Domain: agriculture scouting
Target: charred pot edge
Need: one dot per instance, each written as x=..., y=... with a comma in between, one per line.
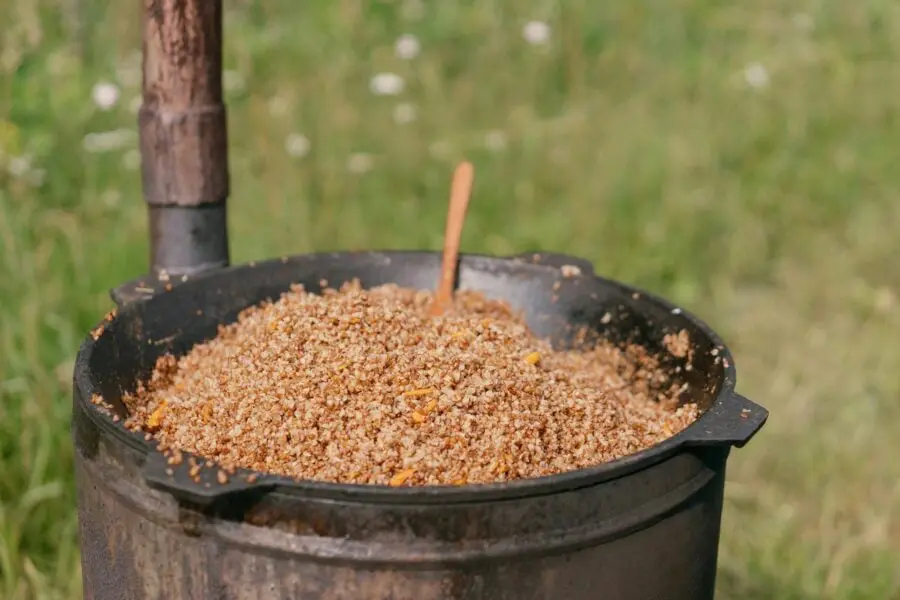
x=556, y=260
x=146, y=286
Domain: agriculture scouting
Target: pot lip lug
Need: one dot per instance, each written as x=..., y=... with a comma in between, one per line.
x=199, y=481
x=731, y=419
x=731, y=424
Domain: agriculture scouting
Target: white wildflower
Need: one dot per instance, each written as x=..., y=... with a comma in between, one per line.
x=360, y=163
x=404, y=113
x=105, y=95
x=407, y=47
x=536, y=33
x=278, y=106
x=495, y=141
x=386, y=84
x=756, y=75
x=297, y=145
x=19, y=166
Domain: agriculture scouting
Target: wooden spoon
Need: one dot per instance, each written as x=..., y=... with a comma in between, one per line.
x=460, y=190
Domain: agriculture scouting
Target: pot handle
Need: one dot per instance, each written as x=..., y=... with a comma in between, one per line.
x=731, y=423
x=201, y=485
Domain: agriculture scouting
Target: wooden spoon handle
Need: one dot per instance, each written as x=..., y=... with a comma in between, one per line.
x=460, y=191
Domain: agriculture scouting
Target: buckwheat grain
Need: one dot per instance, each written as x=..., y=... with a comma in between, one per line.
x=363, y=386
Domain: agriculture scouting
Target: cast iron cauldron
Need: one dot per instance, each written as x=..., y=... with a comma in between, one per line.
x=645, y=527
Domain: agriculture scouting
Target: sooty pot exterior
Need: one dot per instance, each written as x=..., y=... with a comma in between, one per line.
x=643, y=527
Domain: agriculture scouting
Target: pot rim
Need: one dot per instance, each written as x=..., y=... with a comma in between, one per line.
x=730, y=420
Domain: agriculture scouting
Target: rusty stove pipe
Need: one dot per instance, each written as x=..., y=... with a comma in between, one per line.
x=183, y=135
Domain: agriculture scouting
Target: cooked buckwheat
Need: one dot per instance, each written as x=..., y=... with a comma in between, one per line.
x=363, y=386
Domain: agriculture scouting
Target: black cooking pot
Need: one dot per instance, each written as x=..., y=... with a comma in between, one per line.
x=642, y=527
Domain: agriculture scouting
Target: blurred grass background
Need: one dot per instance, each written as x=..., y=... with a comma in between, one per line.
x=738, y=157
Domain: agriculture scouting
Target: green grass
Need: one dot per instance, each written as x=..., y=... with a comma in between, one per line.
x=632, y=139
